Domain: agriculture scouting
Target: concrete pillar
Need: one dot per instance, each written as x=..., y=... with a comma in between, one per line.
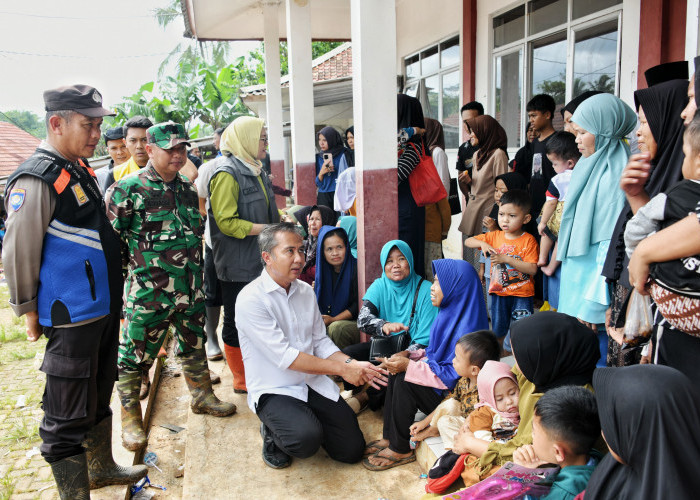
x=301, y=97
x=274, y=96
x=374, y=108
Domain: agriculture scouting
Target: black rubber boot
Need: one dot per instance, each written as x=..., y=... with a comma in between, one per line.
x=102, y=469
x=71, y=476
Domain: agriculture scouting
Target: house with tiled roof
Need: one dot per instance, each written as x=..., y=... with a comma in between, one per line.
x=16, y=145
x=332, y=82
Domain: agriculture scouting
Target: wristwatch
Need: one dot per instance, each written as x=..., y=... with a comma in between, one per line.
x=349, y=360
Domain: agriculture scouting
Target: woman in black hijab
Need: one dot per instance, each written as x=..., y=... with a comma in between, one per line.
x=568, y=111
x=329, y=168
x=551, y=349
x=660, y=107
x=350, y=146
x=411, y=216
x=303, y=215
x=648, y=416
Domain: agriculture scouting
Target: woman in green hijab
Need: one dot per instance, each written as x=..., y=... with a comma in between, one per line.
x=593, y=203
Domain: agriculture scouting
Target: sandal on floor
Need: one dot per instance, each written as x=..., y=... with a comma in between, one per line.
x=373, y=447
x=393, y=462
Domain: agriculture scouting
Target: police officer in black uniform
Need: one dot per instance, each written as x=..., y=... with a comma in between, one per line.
x=63, y=267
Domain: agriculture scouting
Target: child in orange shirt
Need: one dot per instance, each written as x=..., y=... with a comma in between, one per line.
x=517, y=253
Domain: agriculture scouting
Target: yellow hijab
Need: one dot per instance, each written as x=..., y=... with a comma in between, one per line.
x=242, y=138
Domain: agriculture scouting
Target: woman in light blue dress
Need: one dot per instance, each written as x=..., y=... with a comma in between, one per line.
x=593, y=203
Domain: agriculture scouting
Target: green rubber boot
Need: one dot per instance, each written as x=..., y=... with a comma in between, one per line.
x=102, y=469
x=196, y=371
x=71, y=476
x=128, y=387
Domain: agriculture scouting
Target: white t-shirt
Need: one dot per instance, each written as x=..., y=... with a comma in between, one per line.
x=559, y=185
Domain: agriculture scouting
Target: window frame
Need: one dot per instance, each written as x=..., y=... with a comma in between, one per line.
x=570, y=28
x=441, y=71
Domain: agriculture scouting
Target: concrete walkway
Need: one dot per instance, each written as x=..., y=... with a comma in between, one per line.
x=223, y=460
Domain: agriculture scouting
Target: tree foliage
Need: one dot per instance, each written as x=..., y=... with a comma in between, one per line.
x=203, y=87
x=27, y=121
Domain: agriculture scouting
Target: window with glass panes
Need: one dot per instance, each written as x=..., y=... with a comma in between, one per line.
x=557, y=47
x=432, y=75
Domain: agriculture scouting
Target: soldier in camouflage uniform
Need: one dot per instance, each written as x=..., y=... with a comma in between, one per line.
x=155, y=211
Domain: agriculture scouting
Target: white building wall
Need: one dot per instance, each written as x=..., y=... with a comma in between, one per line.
x=420, y=24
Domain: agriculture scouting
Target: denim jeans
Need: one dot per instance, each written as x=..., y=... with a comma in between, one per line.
x=508, y=309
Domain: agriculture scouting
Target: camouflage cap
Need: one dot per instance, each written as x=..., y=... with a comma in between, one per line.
x=167, y=135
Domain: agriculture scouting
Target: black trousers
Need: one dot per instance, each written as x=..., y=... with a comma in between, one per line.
x=80, y=364
x=326, y=199
x=229, y=294
x=400, y=405
x=212, y=285
x=300, y=428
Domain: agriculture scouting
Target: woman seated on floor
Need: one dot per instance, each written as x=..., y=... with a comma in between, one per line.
x=387, y=307
x=312, y=219
x=336, y=286
x=420, y=379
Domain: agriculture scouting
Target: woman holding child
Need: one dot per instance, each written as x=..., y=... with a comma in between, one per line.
x=550, y=350
x=593, y=199
x=660, y=139
x=420, y=378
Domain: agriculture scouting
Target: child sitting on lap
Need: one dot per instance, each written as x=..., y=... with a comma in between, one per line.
x=564, y=430
x=563, y=152
x=516, y=253
x=496, y=416
x=472, y=351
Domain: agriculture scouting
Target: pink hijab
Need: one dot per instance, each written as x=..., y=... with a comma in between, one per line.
x=490, y=374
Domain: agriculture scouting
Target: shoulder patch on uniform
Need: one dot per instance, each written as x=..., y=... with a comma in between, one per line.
x=80, y=195
x=17, y=196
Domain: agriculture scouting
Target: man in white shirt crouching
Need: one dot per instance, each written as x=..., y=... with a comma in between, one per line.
x=287, y=356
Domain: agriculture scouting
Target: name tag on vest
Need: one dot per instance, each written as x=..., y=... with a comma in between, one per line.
x=157, y=202
x=250, y=190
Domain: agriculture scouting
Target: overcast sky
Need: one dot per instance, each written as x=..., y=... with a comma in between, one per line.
x=115, y=46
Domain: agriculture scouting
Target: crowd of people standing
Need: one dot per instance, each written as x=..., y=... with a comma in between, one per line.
x=576, y=223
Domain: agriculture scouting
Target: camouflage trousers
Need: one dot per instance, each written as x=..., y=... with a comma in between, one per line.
x=145, y=330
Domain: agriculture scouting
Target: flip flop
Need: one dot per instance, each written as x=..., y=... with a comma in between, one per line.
x=393, y=462
x=373, y=445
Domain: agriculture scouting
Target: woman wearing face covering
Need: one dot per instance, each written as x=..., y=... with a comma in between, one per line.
x=241, y=204
x=660, y=139
x=648, y=417
x=330, y=163
x=411, y=216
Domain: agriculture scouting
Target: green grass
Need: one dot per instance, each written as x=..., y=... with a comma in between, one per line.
x=7, y=487
x=4, y=297
x=24, y=429
x=12, y=332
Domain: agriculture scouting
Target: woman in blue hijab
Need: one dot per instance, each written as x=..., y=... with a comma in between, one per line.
x=593, y=202
x=421, y=379
x=386, y=307
x=336, y=286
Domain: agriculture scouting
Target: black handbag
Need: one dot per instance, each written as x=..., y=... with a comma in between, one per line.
x=385, y=347
x=454, y=198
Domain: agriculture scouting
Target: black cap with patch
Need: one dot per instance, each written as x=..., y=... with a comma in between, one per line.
x=82, y=99
x=114, y=134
